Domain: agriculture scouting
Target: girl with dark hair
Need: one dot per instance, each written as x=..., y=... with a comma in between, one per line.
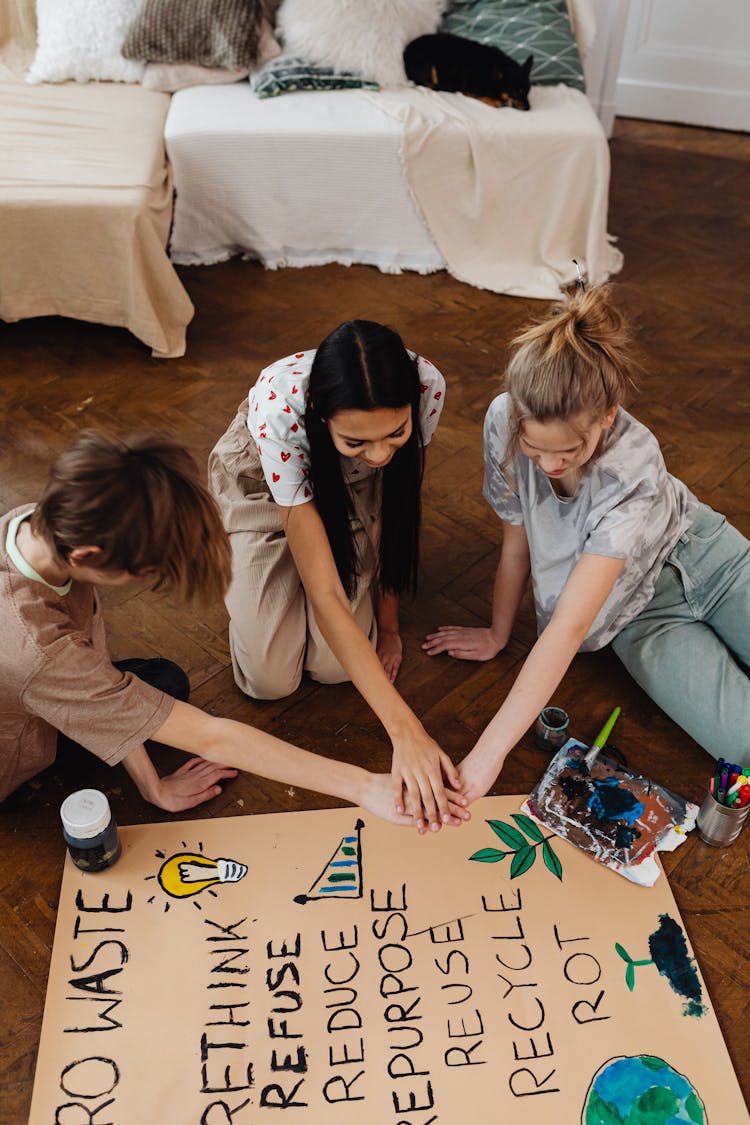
x=619, y=550
x=318, y=479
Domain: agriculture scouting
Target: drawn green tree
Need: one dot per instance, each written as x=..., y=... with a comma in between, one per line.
x=517, y=845
x=669, y=953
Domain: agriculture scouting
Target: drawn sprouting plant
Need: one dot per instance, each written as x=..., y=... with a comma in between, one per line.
x=630, y=965
x=523, y=852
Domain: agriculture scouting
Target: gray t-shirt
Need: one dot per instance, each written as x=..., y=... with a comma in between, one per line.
x=627, y=506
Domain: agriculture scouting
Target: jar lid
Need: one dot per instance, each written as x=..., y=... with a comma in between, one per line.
x=85, y=814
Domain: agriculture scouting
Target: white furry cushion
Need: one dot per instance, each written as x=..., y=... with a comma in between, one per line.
x=81, y=39
x=366, y=37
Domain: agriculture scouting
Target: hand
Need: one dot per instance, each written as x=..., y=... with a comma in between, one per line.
x=463, y=643
x=418, y=774
x=377, y=798
x=478, y=772
x=390, y=651
x=190, y=785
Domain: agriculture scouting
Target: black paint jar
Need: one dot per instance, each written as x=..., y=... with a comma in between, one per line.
x=90, y=830
x=551, y=731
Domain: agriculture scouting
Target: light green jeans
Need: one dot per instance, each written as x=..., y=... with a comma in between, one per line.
x=689, y=649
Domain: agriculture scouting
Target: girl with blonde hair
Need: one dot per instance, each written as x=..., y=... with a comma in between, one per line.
x=619, y=550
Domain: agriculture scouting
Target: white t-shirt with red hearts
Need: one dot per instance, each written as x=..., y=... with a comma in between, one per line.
x=276, y=420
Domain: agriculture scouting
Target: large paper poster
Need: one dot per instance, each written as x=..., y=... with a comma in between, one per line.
x=326, y=967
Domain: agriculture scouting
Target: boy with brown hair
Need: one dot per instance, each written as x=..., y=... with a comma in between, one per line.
x=112, y=512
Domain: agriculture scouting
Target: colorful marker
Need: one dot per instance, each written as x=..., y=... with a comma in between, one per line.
x=730, y=785
x=737, y=784
x=723, y=784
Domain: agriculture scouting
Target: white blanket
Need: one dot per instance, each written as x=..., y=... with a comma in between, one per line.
x=303, y=179
x=510, y=197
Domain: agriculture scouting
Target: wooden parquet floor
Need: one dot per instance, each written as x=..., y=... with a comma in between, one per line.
x=679, y=210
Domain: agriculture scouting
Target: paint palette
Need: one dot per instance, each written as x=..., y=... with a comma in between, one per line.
x=619, y=817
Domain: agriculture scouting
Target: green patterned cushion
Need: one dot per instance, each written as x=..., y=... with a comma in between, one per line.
x=283, y=75
x=521, y=28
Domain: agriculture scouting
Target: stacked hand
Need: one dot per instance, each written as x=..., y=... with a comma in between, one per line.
x=425, y=783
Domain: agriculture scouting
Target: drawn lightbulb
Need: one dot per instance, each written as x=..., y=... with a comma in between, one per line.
x=187, y=874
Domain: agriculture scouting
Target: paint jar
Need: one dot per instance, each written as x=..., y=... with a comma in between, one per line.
x=719, y=825
x=90, y=830
x=551, y=731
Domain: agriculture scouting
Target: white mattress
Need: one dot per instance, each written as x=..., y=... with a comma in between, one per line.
x=300, y=179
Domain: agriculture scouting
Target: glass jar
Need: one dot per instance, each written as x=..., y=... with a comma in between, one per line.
x=551, y=730
x=90, y=830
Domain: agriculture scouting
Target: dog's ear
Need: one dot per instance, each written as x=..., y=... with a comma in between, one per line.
x=528, y=64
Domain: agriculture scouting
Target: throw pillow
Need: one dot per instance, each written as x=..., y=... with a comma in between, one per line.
x=82, y=39
x=521, y=28
x=349, y=35
x=285, y=75
x=214, y=33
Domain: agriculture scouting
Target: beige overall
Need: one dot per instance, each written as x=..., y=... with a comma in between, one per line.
x=273, y=635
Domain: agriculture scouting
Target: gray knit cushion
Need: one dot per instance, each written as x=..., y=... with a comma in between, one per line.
x=216, y=33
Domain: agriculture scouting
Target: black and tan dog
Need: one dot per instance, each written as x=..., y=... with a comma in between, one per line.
x=449, y=62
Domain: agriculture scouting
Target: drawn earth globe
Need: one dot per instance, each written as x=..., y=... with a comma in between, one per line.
x=641, y=1090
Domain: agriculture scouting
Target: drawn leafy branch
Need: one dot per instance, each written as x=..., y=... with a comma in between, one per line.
x=523, y=852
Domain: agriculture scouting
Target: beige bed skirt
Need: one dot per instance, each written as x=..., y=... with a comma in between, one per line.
x=85, y=210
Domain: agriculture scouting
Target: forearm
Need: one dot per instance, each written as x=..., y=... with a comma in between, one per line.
x=360, y=661
x=143, y=774
x=255, y=751
x=316, y=567
x=583, y=596
x=534, y=686
x=387, y=612
x=510, y=581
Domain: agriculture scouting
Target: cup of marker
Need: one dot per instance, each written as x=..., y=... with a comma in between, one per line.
x=726, y=806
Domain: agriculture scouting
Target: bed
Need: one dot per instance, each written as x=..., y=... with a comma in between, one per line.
x=400, y=179
x=85, y=200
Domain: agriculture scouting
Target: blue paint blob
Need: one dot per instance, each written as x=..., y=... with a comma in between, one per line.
x=612, y=801
x=642, y=1090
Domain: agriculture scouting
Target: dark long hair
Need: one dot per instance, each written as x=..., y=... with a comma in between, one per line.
x=365, y=366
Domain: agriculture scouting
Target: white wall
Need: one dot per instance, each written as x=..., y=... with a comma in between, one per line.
x=687, y=61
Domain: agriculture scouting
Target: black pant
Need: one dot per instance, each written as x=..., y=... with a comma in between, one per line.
x=162, y=674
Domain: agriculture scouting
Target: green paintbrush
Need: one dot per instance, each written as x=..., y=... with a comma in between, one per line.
x=601, y=739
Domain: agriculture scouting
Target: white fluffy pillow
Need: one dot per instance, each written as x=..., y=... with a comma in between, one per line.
x=367, y=38
x=81, y=39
